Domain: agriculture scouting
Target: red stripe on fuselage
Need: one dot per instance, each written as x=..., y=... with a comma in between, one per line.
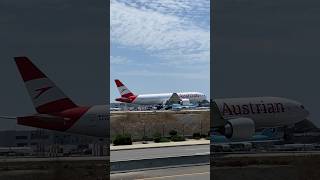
x=56, y=106
x=64, y=120
x=27, y=69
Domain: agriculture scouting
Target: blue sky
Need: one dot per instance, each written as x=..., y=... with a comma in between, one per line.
x=160, y=46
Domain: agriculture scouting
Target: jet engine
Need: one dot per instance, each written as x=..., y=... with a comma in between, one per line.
x=185, y=102
x=239, y=128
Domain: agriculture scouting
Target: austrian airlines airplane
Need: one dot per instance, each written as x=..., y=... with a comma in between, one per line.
x=238, y=118
x=156, y=99
x=55, y=110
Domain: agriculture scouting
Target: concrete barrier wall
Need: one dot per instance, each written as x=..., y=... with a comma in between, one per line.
x=147, y=123
x=119, y=166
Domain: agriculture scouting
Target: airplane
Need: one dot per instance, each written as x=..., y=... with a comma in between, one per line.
x=56, y=111
x=238, y=118
x=160, y=100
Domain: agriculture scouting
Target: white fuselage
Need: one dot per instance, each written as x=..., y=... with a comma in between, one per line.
x=153, y=99
x=93, y=123
x=264, y=111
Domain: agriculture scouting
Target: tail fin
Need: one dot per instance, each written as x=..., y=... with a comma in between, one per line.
x=46, y=96
x=218, y=119
x=123, y=90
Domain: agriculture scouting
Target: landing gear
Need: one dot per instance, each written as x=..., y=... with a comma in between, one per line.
x=288, y=134
x=159, y=106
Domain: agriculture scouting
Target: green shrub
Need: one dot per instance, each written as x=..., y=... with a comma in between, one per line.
x=164, y=139
x=173, y=133
x=145, y=138
x=177, y=138
x=204, y=136
x=157, y=137
x=124, y=139
x=196, y=136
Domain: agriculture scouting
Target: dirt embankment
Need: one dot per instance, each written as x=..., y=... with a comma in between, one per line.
x=147, y=123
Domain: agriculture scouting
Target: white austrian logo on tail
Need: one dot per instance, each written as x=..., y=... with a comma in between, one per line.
x=41, y=91
x=122, y=91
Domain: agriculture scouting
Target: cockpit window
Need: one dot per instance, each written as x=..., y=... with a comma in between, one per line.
x=302, y=106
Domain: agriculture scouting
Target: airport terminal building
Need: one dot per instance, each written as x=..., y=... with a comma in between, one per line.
x=40, y=142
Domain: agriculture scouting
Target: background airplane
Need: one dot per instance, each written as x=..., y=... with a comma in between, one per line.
x=56, y=111
x=183, y=98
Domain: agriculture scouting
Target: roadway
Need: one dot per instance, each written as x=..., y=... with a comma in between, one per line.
x=201, y=172
x=151, y=153
x=6, y=159
x=273, y=154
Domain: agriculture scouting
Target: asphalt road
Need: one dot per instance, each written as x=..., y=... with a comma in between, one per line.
x=47, y=159
x=151, y=153
x=221, y=155
x=177, y=173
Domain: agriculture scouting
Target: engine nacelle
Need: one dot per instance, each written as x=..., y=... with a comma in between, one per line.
x=185, y=102
x=239, y=128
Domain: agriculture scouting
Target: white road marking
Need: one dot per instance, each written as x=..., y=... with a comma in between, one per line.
x=172, y=176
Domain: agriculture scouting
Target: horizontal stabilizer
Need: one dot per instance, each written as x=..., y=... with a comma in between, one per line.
x=45, y=121
x=7, y=117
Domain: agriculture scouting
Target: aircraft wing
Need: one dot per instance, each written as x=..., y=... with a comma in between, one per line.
x=174, y=99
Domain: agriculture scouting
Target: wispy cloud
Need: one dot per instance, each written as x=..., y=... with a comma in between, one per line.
x=119, y=60
x=179, y=75
x=163, y=28
x=186, y=9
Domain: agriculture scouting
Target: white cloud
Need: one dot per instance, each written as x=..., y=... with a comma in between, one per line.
x=180, y=75
x=119, y=60
x=160, y=28
x=186, y=8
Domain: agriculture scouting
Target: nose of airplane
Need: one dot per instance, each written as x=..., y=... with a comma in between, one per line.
x=300, y=108
x=305, y=112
